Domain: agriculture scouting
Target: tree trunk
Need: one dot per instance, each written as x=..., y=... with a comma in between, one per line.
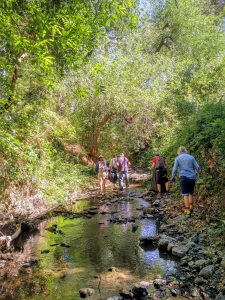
x=94, y=145
x=14, y=80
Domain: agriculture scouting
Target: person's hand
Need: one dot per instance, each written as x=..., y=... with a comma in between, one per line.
x=173, y=180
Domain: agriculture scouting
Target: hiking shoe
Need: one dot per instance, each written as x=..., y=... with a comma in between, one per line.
x=187, y=214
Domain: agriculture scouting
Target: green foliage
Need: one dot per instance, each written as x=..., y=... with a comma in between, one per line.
x=86, y=72
x=203, y=134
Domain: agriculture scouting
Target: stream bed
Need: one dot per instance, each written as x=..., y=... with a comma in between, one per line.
x=102, y=255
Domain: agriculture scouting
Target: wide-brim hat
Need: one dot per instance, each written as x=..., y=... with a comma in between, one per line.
x=100, y=156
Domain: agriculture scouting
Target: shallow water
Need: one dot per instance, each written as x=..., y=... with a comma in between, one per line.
x=96, y=244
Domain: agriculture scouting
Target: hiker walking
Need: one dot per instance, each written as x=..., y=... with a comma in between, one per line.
x=101, y=170
x=122, y=165
x=186, y=166
x=113, y=170
x=160, y=165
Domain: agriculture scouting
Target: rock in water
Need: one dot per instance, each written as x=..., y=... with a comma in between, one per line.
x=134, y=227
x=86, y=292
x=158, y=283
x=30, y=263
x=139, y=292
x=52, y=228
x=65, y=245
x=45, y=251
x=125, y=294
x=113, y=269
x=60, y=232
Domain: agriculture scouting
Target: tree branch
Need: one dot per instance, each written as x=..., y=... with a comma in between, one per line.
x=14, y=79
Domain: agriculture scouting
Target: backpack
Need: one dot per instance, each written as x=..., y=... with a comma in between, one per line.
x=113, y=163
x=160, y=163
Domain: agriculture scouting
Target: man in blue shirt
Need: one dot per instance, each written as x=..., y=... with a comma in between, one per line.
x=187, y=166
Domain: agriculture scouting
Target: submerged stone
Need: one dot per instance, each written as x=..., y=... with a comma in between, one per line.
x=139, y=292
x=86, y=292
x=45, y=251
x=65, y=245
x=134, y=227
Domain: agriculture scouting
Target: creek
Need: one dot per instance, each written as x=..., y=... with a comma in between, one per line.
x=96, y=244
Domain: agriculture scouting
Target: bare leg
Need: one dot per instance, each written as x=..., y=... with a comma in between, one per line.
x=191, y=202
x=159, y=188
x=190, y=199
x=186, y=201
x=101, y=184
x=187, y=206
x=167, y=186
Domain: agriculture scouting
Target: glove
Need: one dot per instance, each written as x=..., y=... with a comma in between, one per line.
x=173, y=180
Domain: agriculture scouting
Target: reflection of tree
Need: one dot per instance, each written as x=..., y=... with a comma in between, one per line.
x=119, y=249
x=92, y=251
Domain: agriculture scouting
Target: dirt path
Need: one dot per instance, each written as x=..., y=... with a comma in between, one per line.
x=136, y=176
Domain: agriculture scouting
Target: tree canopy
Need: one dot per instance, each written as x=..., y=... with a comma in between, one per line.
x=112, y=76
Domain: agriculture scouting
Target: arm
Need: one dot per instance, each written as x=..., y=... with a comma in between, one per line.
x=166, y=164
x=196, y=166
x=96, y=168
x=105, y=167
x=175, y=167
x=111, y=164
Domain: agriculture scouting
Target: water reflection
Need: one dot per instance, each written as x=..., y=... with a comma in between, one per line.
x=96, y=244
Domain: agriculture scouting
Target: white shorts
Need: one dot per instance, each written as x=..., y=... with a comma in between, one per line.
x=102, y=175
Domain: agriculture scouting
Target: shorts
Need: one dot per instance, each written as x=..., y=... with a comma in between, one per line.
x=161, y=176
x=102, y=175
x=187, y=186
